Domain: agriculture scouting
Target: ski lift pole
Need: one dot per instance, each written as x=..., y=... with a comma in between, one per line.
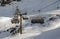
x=20, y=23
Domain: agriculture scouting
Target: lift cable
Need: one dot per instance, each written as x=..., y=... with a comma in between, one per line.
x=50, y=4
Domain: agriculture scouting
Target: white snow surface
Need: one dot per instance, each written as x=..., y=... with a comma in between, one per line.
x=31, y=7
x=48, y=30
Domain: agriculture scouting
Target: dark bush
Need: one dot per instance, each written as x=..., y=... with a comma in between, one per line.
x=18, y=0
x=52, y=19
x=2, y=4
x=41, y=21
x=7, y=30
x=58, y=15
x=39, y=10
x=14, y=31
x=14, y=0
x=57, y=7
x=25, y=18
x=17, y=26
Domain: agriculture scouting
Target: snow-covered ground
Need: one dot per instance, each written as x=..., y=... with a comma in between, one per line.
x=48, y=30
x=30, y=6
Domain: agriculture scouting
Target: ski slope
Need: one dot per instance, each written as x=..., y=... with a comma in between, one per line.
x=48, y=9
x=48, y=30
x=30, y=6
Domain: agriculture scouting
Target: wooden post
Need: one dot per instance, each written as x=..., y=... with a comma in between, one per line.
x=20, y=24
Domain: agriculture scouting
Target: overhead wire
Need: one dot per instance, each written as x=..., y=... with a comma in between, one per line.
x=50, y=4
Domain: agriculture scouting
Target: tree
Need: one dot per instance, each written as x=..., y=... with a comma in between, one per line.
x=3, y=3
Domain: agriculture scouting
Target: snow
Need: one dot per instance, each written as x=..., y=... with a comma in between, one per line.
x=34, y=31
x=48, y=30
x=30, y=6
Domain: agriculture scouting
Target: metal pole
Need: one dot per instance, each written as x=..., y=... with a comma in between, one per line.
x=20, y=24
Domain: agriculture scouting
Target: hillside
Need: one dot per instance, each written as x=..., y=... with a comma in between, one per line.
x=48, y=10
x=30, y=6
